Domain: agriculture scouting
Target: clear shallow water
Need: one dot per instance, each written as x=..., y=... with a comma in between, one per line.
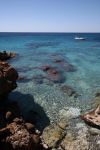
x=38, y=49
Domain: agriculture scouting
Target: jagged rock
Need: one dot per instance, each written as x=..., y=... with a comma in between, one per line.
x=76, y=142
x=20, y=136
x=92, y=117
x=15, y=133
x=6, y=55
x=8, y=77
x=53, y=134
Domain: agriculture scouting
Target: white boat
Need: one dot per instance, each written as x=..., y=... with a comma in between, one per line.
x=79, y=38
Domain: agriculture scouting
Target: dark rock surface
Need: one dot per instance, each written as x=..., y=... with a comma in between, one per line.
x=53, y=74
x=15, y=133
x=8, y=77
x=6, y=55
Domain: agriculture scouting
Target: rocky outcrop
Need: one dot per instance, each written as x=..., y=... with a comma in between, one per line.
x=6, y=55
x=92, y=117
x=15, y=133
x=8, y=77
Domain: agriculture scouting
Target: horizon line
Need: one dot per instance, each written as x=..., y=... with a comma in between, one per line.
x=42, y=32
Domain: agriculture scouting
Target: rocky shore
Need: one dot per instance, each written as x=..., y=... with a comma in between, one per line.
x=73, y=129
x=15, y=132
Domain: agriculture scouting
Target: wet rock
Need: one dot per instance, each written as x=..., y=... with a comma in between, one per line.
x=93, y=117
x=6, y=55
x=69, y=91
x=8, y=77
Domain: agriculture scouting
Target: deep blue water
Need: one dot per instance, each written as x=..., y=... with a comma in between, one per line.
x=37, y=49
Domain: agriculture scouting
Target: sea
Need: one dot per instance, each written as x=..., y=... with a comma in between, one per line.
x=37, y=93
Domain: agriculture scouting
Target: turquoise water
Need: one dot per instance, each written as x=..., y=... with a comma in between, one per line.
x=37, y=49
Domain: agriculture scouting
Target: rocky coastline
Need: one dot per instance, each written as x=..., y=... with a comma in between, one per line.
x=72, y=131
x=15, y=132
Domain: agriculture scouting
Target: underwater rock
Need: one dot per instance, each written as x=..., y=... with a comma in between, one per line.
x=59, y=61
x=93, y=117
x=69, y=90
x=6, y=55
x=53, y=74
x=8, y=77
x=65, y=65
x=23, y=79
x=45, y=67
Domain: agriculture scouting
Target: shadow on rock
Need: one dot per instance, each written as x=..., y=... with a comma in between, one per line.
x=31, y=111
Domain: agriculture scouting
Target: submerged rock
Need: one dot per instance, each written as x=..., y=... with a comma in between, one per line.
x=65, y=65
x=6, y=55
x=8, y=77
x=53, y=74
x=69, y=90
x=92, y=117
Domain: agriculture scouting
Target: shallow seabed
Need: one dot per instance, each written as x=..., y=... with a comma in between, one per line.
x=38, y=49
